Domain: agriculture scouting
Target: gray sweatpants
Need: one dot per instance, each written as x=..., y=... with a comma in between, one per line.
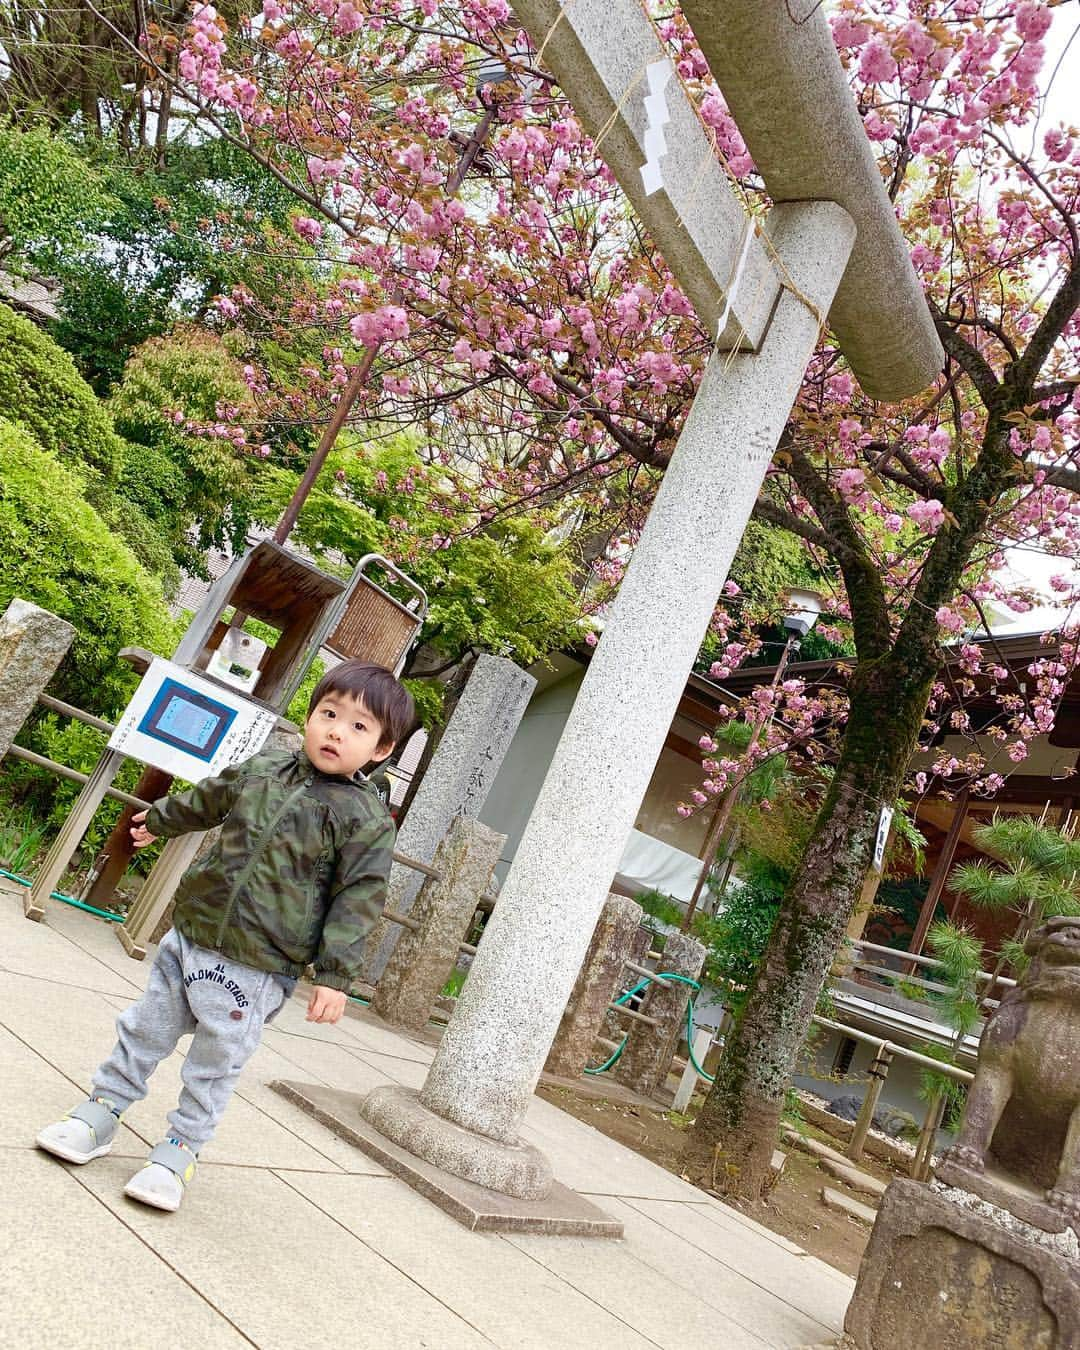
x=191, y=990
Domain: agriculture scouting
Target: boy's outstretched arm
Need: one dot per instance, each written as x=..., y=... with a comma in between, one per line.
x=199, y=808
x=358, y=896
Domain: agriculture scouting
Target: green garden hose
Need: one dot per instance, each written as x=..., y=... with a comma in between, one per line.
x=623, y=998
x=679, y=979
x=66, y=899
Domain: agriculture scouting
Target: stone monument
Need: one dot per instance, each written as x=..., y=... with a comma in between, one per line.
x=33, y=642
x=456, y=783
x=989, y=1254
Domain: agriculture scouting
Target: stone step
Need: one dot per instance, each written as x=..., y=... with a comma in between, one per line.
x=811, y=1145
x=851, y=1176
x=855, y=1209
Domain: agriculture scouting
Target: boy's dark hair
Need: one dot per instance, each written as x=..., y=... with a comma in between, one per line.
x=387, y=699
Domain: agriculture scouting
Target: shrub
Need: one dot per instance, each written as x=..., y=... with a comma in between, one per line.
x=56, y=551
x=51, y=196
x=660, y=907
x=180, y=480
x=736, y=939
x=41, y=388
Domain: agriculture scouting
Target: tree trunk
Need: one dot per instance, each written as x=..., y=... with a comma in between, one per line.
x=742, y=1112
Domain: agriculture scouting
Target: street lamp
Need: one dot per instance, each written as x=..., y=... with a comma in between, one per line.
x=803, y=608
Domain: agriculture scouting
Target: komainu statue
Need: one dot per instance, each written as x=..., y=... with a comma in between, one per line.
x=1023, y=1109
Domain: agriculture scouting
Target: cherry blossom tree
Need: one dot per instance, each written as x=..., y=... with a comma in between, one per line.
x=916, y=505
x=534, y=330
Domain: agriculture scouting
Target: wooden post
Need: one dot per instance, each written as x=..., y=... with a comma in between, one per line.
x=938, y=880
x=727, y=804
x=119, y=848
x=358, y=379
x=879, y=1071
x=157, y=891
x=71, y=834
x=845, y=953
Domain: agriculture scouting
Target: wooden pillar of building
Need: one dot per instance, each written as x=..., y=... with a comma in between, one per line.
x=941, y=875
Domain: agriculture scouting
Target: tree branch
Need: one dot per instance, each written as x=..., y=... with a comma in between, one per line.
x=1051, y=326
x=862, y=580
x=1058, y=389
x=988, y=326
x=773, y=514
x=1069, y=479
x=967, y=357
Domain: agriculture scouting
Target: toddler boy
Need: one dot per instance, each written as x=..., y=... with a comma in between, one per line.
x=297, y=878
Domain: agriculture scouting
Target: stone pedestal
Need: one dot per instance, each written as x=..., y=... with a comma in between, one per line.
x=423, y=958
x=456, y=783
x=510, y=1167
x=597, y=984
x=947, y=1269
x=33, y=642
x=646, y=1058
x=614, y=1025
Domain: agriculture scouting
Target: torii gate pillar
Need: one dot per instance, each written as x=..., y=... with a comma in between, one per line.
x=494, y=1048
x=832, y=248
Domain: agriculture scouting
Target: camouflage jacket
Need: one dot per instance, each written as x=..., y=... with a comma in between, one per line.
x=298, y=874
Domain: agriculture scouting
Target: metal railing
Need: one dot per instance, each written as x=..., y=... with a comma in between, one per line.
x=484, y=901
x=895, y=977
x=885, y=1052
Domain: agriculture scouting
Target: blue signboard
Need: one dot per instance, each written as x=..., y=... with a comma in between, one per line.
x=182, y=717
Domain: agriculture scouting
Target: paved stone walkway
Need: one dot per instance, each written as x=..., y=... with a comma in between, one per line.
x=290, y=1238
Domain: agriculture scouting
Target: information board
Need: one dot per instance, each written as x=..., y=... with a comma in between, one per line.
x=188, y=726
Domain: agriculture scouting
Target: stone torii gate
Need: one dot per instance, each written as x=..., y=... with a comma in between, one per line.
x=829, y=247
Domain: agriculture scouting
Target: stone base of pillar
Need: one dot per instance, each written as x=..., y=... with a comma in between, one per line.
x=516, y=1169
x=559, y=1213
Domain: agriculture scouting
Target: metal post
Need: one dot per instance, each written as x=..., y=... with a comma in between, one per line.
x=690, y=1078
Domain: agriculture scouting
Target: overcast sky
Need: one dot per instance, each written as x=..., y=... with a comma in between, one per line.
x=1062, y=105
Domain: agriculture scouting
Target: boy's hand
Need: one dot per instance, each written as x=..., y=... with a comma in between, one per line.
x=326, y=1005
x=140, y=835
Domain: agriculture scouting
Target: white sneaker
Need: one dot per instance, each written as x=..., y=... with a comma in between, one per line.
x=161, y=1181
x=87, y=1133
x=156, y=1186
